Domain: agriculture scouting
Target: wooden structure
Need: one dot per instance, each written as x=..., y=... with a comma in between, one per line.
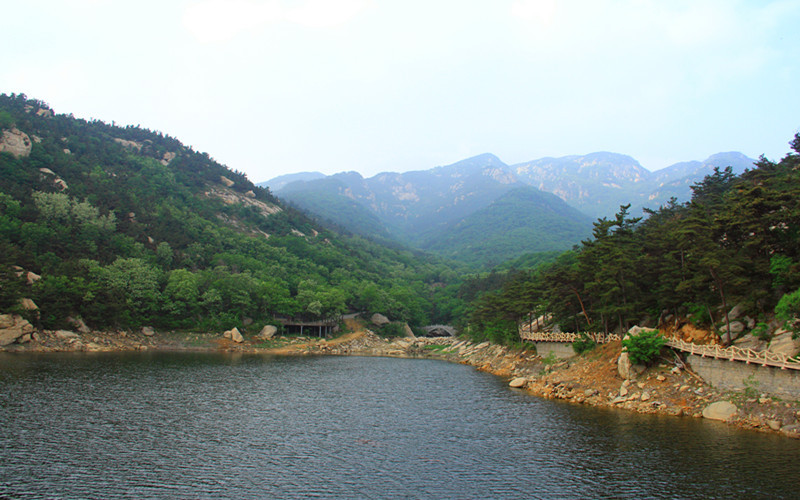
x=320, y=327
x=732, y=353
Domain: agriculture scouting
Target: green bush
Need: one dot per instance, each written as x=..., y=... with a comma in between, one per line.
x=645, y=347
x=583, y=344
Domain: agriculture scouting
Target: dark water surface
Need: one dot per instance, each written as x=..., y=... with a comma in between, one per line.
x=200, y=425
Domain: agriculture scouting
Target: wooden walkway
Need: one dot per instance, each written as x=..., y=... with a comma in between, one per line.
x=732, y=353
x=565, y=337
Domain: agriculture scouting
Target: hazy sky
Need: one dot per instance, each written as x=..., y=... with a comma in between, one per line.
x=270, y=87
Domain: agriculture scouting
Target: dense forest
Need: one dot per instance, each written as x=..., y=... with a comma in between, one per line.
x=123, y=227
x=736, y=243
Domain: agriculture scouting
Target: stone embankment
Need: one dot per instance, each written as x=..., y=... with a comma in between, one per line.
x=668, y=388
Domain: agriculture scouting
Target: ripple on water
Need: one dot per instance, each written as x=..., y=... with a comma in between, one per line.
x=202, y=425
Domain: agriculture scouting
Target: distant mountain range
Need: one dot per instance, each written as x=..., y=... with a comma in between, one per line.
x=483, y=211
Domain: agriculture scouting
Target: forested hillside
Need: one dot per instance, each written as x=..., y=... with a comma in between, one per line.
x=125, y=227
x=736, y=243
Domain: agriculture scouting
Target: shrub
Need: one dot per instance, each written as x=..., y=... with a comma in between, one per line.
x=645, y=347
x=583, y=344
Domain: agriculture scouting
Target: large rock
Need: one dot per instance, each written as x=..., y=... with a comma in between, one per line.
x=13, y=327
x=235, y=335
x=268, y=332
x=750, y=342
x=783, y=343
x=148, y=331
x=408, y=331
x=518, y=382
x=721, y=410
x=16, y=142
x=379, y=319
x=78, y=324
x=626, y=369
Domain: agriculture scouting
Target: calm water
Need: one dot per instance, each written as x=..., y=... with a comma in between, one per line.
x=198, y=425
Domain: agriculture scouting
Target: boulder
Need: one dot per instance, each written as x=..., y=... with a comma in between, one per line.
x=16, y=142
x=226, y=181
x=250, y=194
x=721, y=410
x=736, y=312
x=626, y=369
x=750, y=342
x=235, y=335
x=784, y=343
x=28, y=305
x=518, y=382
x=65, y=334
x=268, y=332
x=13, y=327
x=148, y=331
x=409, y=333
x=78, y=324
x=379, y=319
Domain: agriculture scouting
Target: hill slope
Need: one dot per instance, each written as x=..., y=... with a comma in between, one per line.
x=523, y=220
x=125, y=227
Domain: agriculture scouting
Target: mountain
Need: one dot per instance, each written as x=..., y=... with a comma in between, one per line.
x=125, y=227
x=523, y=220
x=596, y=184
x=281, y=181
x=411, y=206
x=465, y=210
x=444, y=209
x=677, y=180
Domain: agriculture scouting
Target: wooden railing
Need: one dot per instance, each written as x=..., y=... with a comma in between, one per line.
x=734, y=353
x=564, y=337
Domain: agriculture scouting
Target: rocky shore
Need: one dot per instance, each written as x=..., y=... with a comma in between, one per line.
x=668, y=387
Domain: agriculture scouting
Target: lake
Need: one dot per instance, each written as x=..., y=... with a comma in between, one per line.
x=211, y=425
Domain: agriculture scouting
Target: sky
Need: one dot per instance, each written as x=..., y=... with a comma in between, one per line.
x=271, y=87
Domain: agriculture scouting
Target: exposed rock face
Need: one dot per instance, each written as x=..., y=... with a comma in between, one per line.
x=267, y=332
x=16, y=142
x=129, y=144
x=379, y=319
x=168, y=157
x=626, y=369
x=226, y=181
x=28, y=304
x=12, y=328
x=783, y=343
x=409, y=333
x=721, y=410
x=231, y=197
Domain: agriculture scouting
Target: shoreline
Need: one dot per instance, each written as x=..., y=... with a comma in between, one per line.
x=590, y=379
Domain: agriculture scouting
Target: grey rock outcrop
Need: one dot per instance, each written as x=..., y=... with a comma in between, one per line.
x=379, y=319
x=784, y=343
x=16, y=142
x=13, y=327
